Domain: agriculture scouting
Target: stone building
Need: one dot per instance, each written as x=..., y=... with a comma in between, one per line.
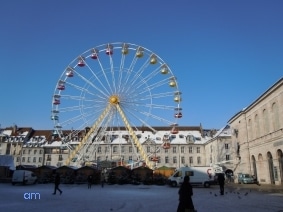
x=221, y=150
x=258, y=134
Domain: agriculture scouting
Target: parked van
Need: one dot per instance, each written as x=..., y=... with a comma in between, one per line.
x=199, y=175
x=24, y=177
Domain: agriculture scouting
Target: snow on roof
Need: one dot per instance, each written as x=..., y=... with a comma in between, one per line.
x=223, y=132
x=7, y=132
x=54, y=144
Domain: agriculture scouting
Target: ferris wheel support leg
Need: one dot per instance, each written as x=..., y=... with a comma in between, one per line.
x=135, y=139
x=92, y=129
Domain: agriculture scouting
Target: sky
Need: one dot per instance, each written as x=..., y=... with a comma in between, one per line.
x=225, y=54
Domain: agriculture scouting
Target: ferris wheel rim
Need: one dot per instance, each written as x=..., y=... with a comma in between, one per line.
x=112, y=91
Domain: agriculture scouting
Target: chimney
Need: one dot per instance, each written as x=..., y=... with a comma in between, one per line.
x=15, y=128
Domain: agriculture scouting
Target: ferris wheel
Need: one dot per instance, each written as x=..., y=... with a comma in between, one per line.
x=112, y=87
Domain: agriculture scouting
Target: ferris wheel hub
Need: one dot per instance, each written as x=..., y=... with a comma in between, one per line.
x=114, y=99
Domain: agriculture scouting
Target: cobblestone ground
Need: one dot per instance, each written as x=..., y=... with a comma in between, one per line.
x=131, y=198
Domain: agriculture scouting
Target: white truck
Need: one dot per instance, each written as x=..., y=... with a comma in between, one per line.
x=199, y=175
x=24, y=177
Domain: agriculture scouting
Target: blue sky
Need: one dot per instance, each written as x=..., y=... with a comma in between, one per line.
x=224, y=53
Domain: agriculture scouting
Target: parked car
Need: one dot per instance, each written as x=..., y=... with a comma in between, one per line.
x=245, y=178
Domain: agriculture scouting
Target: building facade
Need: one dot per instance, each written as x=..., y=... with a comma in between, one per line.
x=258, y=133
x=41, y=147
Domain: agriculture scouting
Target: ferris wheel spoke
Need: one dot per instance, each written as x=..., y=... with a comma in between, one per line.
x=80, y=88
x=151, y=116
x=137, y=75
x=91, y=84
x=97, y=78
x=121, y=73
x=129, y=72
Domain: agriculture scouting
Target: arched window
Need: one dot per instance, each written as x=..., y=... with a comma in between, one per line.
x=250, y=129
x=275, y=116
x=265, y=121
x=257, y=131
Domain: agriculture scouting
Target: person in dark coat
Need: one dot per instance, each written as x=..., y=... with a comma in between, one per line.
x=185, y=196
x=89, y=181
x=221, y=181
x=57, y=183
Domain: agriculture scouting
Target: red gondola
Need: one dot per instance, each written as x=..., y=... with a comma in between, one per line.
x=69, y=73
x=166, y=145
x=174, y=130
x=109, y=49
x=81, y=62
x=154, y=159
x=178, y=115
x=56, y=101
x=94, y=56
x=61, y=87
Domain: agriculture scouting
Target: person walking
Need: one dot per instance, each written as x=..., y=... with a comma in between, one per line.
x=185, y=196
x=221, y=181
x=102, y=179
x=89, y=181
x=57, y=183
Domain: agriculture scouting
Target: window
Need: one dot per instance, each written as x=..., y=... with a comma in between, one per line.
x=34, y=152
x=130, y=158
x=29, y=151
x=23, y=159
x=182, y=149
x=122, y=149
x=266, y=121
x=48, y=157
x=190, y=149
x=24, y=151
x=198, y=149
x=18, y=159
x=166, y=159
x=60, y=157
x=256, y=126
x=130, y=149
x=226, y=146
x=227, y=157
x=40, y=159
x=275, y=116
x=41, y=151
x=175, y=159
x=28, y=159
x=174, y=149
x=191, y=160
x=183, y=160
x=166, y=150
x=99, y=149
x=114, y=149
x=148, y=149
x=34, y=159
x=198, y=160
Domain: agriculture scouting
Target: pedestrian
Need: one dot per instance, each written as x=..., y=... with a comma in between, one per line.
x=221, y=181
x=89, y=181
x=57, y=183
x=102, y=179
x=185, y=196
